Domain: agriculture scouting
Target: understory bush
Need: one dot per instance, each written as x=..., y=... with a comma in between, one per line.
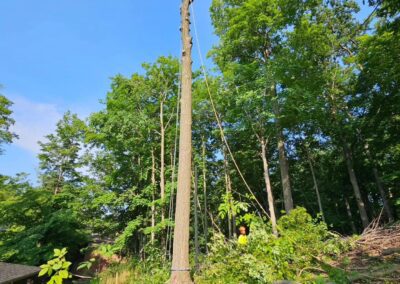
x=295, y=255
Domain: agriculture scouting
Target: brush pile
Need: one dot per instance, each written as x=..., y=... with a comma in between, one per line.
x=380, y=242
x=376, y=256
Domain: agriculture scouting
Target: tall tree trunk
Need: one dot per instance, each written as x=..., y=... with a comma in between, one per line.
x=205, y=193
x=382, y=192
x=354, y=183
x=162, y=160
x=283, y=163
x=379, y=184
x=309, y=158
x=180, y=271
x=268, y=187
x=153, y=184
x=162, y=170
x=196, y=222
x=350, y=215
x=171, y=208
x=228, y=191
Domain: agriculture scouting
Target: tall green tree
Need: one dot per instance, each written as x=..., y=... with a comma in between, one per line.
x=251, y=34
x=60, y=156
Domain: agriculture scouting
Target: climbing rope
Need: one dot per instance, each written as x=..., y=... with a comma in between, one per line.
x=171, y=202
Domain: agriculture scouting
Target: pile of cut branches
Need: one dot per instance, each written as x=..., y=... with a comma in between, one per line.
x=381, y=242
x=376, y=256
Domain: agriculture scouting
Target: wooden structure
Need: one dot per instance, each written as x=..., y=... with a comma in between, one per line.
x=17, y=273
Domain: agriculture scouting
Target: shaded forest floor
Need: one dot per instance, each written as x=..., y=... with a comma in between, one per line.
x=375, y=258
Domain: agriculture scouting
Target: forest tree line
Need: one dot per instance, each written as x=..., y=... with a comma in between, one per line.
x=307, y=95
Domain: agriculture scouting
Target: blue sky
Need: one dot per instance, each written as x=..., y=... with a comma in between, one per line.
x=59, y=55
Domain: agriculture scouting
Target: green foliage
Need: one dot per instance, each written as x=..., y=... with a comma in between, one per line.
x=105, y=250
x=6, y=121
x=267, y=258
x=231, y=206
x=59, y=156
x=307, y=72
x=122, y=240
x=57, y=268
x=86, y=264
x=34, y=224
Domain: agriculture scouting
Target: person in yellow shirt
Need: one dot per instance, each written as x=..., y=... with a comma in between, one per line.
x=242, y=240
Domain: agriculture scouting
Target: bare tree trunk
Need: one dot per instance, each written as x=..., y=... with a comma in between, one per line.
x=172, y=204
x=180, y=271
x=283, y=163
x=205, y=193
x=309, y=158
x=382, y=192
x=268, y=187
x=228, y=191
x=162, y=169
x=162, y=161
x=380, y=186
x=350, y=215
x=170, y=208
x=153, y=184
x=354, y=183
x=57, y=188
x=196, y=222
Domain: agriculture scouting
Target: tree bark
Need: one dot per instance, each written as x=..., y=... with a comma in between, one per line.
x=268, y=187
x=180, y=271
x=379, y=184
x=382, y=192
x=162, y=159
x=153, y=184
x=228, y=191
x=205, y=193
x=354, y=183
x=350, y=215
x=196, y=222
x=309, y=158
x=283, y=163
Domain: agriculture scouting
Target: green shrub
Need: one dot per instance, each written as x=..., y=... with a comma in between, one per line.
x=57, y=268
x=294, y=255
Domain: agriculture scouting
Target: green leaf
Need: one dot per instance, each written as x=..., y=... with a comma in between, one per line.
x=57, y=279
x=57, y=252
x=63, y=252
x=43, y=271
x=66, y=264
x=82, y=266
x=63, y=274
x=57, y=266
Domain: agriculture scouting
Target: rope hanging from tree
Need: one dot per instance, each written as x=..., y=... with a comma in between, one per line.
x=221, y=129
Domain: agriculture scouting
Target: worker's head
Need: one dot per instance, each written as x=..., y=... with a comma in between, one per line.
x=242, y=230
